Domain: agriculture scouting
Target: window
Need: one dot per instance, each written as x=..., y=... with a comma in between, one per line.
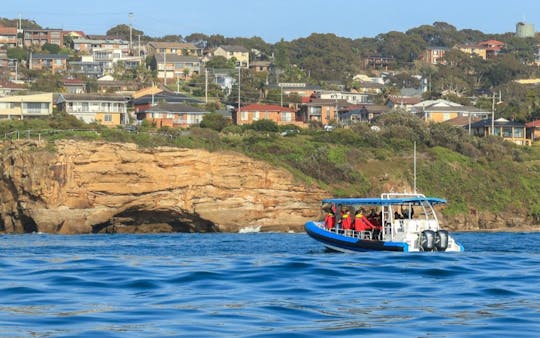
x=35, y=107
x=244, y=116
x=107, y=118
x=518, y=132
x=507, y=132
x=256, y=116
x=286, y=117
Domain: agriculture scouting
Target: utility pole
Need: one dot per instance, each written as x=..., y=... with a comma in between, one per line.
x=239, y=73
x=493, y=115
x=139, y=47
x=165, y=68
x=130, y=15
x=206, y=85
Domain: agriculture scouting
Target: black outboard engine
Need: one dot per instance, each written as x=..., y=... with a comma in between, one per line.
x=441, y=240
x=427, y=240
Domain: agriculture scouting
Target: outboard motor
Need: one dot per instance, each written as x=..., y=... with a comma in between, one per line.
x=441, y=240
x=427, y=240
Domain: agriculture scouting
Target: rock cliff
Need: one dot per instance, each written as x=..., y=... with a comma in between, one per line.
x=85, y=187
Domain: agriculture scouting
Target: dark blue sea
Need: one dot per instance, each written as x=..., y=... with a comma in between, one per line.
x=264, y=285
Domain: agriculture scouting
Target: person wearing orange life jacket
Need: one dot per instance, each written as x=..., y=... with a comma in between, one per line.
x=361, y=222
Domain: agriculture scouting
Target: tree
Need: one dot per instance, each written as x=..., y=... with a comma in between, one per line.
x=214, y=121
x=51, y=48
x=220, y=62
x=17, y=53
x=122, y=32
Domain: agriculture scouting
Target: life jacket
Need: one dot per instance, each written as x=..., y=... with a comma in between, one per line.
x=361, y=223
x=329, y=220
x=346, y=221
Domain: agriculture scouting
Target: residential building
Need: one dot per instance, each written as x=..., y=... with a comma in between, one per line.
x=368, y=87
x=533, y=130
x=107, y=58
x=87, y=67
x=442, y=110
x=8, y=37
x=254, y=112
x=172, y=66
x=361, y=113
x=240, y=53
x=261, y=66
x=87, y=45
x=74, y=86
x=509, y=130
x=324, y=111
x=404, y=102
x=177, y=48
x=493, y=47
x=39, y=37
x=352, y=98
x=20, y=107
x=172, y=115
x=378, y=62
x=10, y=88
x=143, y=102
x=473, y=49
x=434, y=55
x=108, y=110
x=48, y=62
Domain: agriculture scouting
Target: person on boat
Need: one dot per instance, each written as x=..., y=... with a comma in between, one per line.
x=329, y=219
x=346, y=222
x=397, y=215
x=407, y=213
x=361, y=222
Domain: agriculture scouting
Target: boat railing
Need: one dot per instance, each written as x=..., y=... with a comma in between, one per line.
x=353, y=233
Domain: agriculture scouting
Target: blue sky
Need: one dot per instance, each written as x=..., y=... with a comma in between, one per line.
x=274, y=19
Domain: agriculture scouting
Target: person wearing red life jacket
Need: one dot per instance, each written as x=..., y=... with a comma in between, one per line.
x=329, y=219
x=346, y=221
x=361, y=222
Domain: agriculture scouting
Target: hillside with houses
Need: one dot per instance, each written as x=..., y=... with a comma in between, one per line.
x=487, y=84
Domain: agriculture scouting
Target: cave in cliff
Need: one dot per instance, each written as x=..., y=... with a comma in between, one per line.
x=152, y=221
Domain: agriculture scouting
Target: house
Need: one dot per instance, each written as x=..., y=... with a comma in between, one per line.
x=8, y=37
x=9, y=88
x=533, y=130
x=172, y=66
x=368, y=87
x=473, y=49
x=87, y=45
x=20, y=107
x=261, y=66
x=352, y=98
x=177, y=48
x=254, y=112
x=39, y=37
x=378, y=62
x=509, y=130
x=442, y=110
x=324, y=111
x=108, y=110
x=361, y=113
x=107, y=58
x=54, y=63
x=172, y=115
x=434, y=55
x=493, y=47
x=87, y=67
x=74, y=86
x=107, y=84
x=144, y=102
x=240, y=53
x=405, y=102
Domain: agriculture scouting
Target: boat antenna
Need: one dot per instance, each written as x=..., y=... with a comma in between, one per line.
x=414, y=167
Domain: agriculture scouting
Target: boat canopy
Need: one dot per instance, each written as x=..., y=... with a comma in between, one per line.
x=385, y=201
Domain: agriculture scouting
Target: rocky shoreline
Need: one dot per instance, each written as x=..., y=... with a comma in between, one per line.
x=100, y=187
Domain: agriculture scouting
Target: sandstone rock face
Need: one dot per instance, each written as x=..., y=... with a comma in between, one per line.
x=85, y=187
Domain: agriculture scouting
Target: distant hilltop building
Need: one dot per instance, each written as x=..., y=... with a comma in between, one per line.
x=524, y=30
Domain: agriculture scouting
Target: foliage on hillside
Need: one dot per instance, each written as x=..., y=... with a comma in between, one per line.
x=471, y=172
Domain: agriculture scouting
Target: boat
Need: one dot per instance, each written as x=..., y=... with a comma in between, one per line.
x=404, y=222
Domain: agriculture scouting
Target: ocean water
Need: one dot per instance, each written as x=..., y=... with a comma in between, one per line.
x=264, y=285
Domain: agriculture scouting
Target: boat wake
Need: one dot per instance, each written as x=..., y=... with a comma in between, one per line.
x=252, y=228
